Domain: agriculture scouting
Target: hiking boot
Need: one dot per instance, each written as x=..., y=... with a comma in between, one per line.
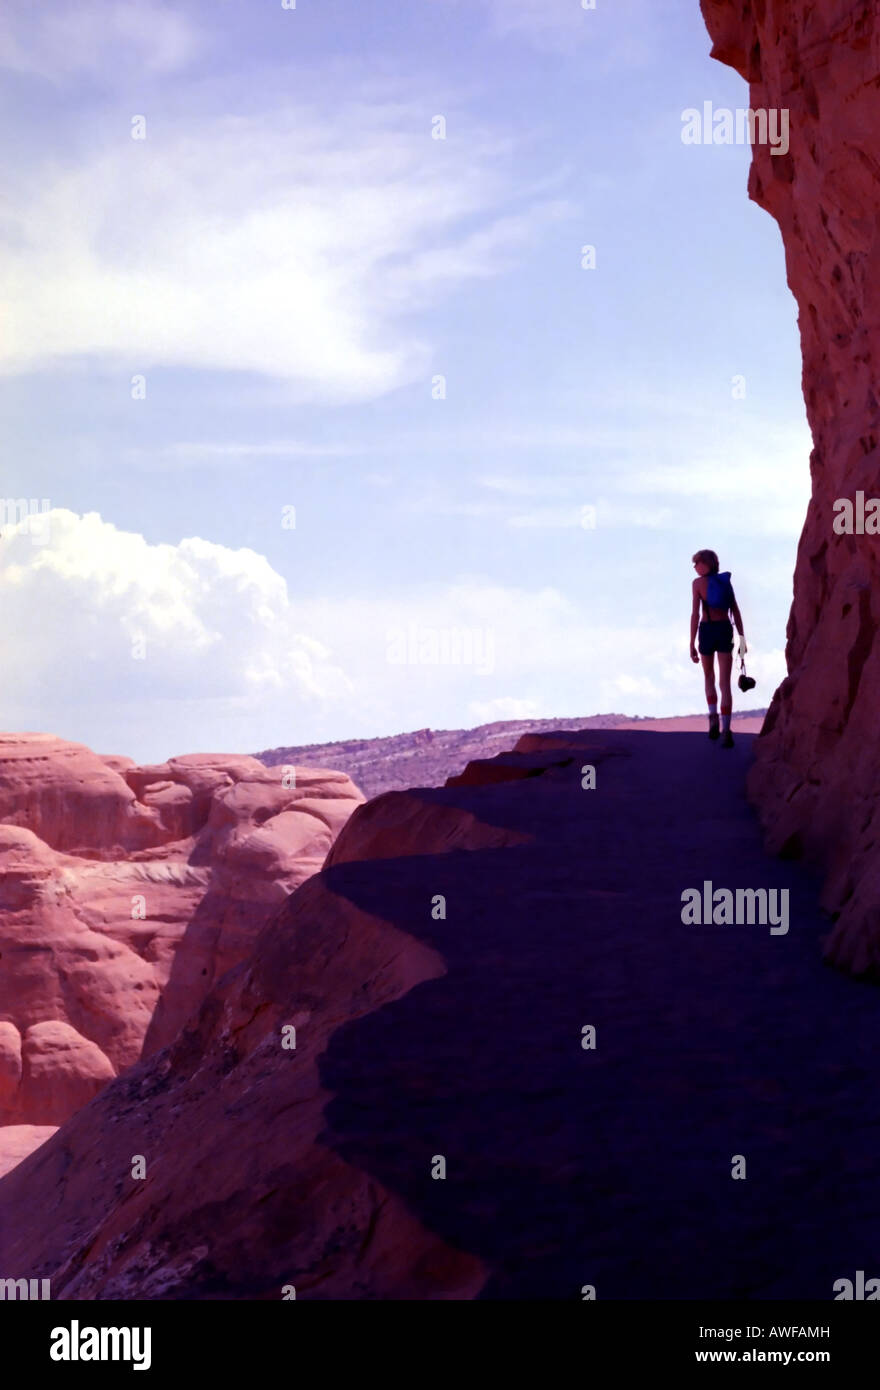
x=714, y=730
x=727, y=741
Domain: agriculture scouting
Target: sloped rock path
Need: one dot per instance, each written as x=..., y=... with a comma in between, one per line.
x=612, y=1167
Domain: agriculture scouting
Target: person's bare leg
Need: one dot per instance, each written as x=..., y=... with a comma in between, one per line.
x=725, y=667
x=708, y=663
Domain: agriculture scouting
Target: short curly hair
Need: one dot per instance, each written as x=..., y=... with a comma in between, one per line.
x=707, y=557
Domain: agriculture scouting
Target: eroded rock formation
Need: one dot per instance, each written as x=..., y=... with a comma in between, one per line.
x=241, y=1198
x=817, y=774
x=125, y=892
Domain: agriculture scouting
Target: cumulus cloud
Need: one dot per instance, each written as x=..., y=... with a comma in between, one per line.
x=93, y=613
x=297, y=243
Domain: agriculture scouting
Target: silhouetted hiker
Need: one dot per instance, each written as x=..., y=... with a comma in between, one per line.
x=715, y=592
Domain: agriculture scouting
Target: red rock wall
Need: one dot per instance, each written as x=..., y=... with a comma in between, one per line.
x=817, y=776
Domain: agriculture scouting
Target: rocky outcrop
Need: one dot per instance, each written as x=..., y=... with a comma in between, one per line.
x=416, y=822
x=237, y=1099
x=817, y=774
x=125, y=893
x=474, y=1070
x=71, y=799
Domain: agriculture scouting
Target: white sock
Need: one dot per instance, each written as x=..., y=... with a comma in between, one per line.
x=725, y=723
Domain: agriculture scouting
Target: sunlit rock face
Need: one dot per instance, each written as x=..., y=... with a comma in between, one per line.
x=125, y=892
x=817, y=776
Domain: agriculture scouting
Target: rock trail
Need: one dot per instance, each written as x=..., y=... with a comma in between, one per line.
x=613, y=1167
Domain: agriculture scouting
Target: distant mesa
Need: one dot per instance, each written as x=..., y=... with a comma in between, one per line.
x=428, y=757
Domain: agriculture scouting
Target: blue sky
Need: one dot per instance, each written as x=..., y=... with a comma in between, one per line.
x=242, y=320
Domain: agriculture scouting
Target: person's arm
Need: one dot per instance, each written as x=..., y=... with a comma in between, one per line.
x=737, y=619
x=695, y=619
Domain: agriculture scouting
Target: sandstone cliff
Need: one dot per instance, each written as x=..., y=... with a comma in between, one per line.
x=817, y=775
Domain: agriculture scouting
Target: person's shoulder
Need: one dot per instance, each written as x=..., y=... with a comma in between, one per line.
x=696, y=584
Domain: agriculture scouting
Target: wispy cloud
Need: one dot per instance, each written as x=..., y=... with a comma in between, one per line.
x=298, y=244
x=752, y=468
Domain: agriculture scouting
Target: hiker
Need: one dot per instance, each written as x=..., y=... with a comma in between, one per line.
x=715, y=591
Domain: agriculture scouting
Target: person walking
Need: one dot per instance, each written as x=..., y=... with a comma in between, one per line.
x=712, y=636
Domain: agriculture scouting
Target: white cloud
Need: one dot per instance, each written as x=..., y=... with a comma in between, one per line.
x=213, y=622
x=56, y=40
x=298, y=244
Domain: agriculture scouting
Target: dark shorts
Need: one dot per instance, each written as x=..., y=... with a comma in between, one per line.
x=715, y=637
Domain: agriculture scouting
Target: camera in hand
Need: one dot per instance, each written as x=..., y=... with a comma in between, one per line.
x=746, y=683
